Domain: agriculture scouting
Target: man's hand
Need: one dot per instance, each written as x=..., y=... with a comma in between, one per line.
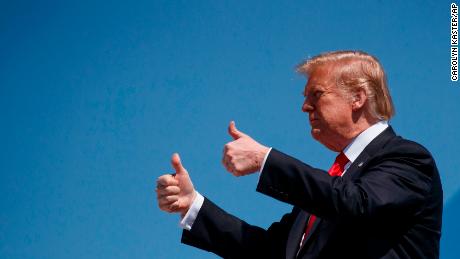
x=175, y=193
x=243, y=155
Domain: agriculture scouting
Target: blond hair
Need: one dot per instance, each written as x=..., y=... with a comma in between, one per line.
x=356, y=70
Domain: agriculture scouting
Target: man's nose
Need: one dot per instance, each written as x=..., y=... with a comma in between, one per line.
x=307, y=107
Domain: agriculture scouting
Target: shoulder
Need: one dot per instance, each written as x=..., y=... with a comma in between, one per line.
x=400, y=145
x=388, y=143
x=399, y=150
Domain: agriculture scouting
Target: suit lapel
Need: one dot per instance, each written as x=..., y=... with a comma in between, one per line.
x=295, y=234
x=359, y=163
x=368, y=152
x=312, y=231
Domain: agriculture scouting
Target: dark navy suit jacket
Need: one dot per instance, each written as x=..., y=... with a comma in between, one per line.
x=387, y=205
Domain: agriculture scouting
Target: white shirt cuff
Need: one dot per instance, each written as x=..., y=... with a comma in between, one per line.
x=189, y=218
x=265, y=159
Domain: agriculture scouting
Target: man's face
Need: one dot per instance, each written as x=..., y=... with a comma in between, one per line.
x=329, y=110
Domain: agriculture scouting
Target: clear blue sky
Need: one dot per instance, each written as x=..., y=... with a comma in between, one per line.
x=96, y=96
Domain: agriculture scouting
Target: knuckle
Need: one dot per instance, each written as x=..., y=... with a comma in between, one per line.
x=172, y=190
x=171, y=198
x=165, y=176
x=229, y=146
x=163, y=179
x=238, y=166
x=233, y=161
x=171, y=182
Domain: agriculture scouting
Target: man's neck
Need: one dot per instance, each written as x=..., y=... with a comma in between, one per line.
x=357, y=128
x=357, y=146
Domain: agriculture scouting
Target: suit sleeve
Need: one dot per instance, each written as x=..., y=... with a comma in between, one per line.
x=395, y=182
x=217, y=231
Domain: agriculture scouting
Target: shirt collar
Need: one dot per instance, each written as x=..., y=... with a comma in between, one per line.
x=360, y=142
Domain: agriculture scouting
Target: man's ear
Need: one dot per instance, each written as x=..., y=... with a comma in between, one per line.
x=359, y=99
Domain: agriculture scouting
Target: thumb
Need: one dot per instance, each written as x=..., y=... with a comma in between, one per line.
x=176, y=163
x=234, y=132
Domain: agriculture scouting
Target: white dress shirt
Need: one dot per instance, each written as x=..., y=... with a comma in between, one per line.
x=352, y=151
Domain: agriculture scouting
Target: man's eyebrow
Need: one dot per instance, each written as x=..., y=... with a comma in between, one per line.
x=312, y=88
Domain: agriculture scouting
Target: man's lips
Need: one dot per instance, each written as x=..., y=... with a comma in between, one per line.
x=314, y=123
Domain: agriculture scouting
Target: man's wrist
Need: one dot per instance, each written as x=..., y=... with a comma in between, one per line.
x=192, y=199
x=189, y=218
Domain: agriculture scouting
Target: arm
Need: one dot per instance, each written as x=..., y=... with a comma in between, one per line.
x=219, y=232
x=395, y=182
x=394, y=179
x=214, y=229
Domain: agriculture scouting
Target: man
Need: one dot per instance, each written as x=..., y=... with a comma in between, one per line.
x=382, y=198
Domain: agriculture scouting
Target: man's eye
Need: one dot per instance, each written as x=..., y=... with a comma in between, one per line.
x=317, y=94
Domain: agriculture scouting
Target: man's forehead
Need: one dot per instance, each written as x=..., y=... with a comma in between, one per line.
x=313, y=85
x=320, y=79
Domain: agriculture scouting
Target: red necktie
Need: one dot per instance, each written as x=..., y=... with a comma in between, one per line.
x=336, y=170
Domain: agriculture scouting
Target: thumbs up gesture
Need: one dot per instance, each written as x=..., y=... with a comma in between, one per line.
x=175, y=193
x=243, y=155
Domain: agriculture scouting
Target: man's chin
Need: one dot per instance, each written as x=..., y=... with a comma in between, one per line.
x=315, y=133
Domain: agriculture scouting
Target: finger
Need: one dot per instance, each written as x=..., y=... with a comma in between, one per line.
x=224, y=154
x=226, y=148
x=166, y=180
x=165, y=205
x=167, y=200
x=177, y=164
x=167, y=208
x=234, y=132
x=169, y=190
x=175, y=206
x=225, y=162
